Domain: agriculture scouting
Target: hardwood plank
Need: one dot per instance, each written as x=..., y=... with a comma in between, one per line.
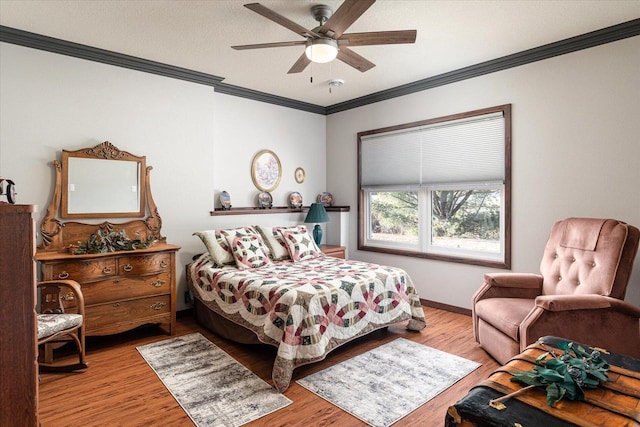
x=119, y=388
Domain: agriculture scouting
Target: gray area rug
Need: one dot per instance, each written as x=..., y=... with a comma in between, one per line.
x=385, y=384
x=212, y=388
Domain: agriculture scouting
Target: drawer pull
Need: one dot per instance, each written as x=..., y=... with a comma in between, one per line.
x=63, y=275
x=128, y=267
x=157, y=306
x=68, y=296
x=157, y=283
x=164, y=264
x=117, y=304
x=107, y=270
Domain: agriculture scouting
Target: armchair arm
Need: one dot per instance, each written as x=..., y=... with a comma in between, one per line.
x=53, y=300
x=594, y=320
x=514, y=280
x=509, y=285
x=585, y=302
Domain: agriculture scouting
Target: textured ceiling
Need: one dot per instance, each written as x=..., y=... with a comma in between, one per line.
x=198, y=34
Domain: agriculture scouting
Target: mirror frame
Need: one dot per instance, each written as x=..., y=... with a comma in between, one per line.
x=104, y=151
x=59, y=236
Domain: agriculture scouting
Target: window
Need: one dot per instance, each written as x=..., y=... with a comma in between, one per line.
x=438, y=188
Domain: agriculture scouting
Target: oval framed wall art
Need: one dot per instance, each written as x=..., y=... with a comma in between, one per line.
x=266, y=170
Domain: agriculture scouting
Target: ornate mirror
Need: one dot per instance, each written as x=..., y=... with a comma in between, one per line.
x=99, y=182
x=102, y=182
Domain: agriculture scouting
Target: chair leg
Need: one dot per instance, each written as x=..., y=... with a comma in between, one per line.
x=48, y=366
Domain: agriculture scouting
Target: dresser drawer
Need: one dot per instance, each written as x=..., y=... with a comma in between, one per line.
x=126, y=288
x=105, y=315
x=144, y=264
x=82, y=271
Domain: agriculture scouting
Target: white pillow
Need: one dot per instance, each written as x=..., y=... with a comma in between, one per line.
x=299, y=243
x=217, y=246
x=247, y=251
x=274, y=240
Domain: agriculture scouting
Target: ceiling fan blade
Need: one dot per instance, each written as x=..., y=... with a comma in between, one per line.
x=346, y=15
x=263, y=45
x=300, y=64
x=279, y=19
x=379, y=37
x=358, y=62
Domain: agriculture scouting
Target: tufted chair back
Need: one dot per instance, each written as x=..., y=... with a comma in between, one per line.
x=589, y=256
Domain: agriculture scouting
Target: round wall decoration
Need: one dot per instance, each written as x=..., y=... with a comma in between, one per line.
x=266, y=170
x=299, y=175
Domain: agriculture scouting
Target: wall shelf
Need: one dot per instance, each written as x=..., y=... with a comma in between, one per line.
x=273, y=210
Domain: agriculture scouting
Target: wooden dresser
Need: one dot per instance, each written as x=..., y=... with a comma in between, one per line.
x=18, y=336
x=122, y=290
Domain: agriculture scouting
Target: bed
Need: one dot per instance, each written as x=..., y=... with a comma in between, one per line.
x=305, y=306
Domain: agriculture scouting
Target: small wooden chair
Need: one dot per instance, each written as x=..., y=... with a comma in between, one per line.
x=57, y=326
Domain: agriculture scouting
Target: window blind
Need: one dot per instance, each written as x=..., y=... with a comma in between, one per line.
x=458, y=151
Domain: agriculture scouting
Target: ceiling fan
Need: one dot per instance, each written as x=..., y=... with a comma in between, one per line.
x=329, y=40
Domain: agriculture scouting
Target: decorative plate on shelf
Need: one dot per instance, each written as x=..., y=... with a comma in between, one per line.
x=265, y=200
x=325, y=198
x=295, y=200
x=225, y=200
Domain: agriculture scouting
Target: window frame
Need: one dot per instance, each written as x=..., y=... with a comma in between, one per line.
x=424, y=214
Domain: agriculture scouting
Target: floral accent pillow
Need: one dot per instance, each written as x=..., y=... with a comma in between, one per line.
x=274, y=240
x=247, y=251
x=244, y=231
x=299, y=243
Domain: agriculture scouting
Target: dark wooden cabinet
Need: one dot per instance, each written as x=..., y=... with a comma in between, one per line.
x=18, y=343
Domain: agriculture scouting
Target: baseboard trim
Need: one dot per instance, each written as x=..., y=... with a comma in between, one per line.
x=445, y=307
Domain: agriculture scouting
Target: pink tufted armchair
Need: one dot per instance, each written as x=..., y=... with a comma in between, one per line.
x=579, y=296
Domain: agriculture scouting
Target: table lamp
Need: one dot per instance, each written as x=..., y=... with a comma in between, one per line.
x=317, y=214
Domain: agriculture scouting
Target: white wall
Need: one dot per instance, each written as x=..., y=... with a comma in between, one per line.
x=576, y=152
x=198, y=142
x=575, y=146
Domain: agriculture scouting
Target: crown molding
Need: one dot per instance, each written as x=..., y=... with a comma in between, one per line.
x=573, y=44
x=271, y=99
x=63, y=47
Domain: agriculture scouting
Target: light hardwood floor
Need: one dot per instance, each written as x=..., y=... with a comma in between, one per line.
x=119, y=388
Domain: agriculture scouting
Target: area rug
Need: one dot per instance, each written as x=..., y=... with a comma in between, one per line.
x=385, y=384
x=212, y=388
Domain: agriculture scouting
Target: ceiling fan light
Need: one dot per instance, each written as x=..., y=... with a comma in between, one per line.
x=322, y=50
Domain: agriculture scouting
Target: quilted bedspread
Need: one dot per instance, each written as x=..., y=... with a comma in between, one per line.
x=310, y=307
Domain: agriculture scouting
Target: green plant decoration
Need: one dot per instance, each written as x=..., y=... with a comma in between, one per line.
x=564, y=376
x=113, y=241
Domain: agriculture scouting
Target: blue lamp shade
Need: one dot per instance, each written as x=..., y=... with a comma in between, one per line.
x=317, y=214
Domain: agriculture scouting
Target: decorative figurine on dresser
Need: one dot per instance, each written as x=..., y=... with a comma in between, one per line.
x=126, y=270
